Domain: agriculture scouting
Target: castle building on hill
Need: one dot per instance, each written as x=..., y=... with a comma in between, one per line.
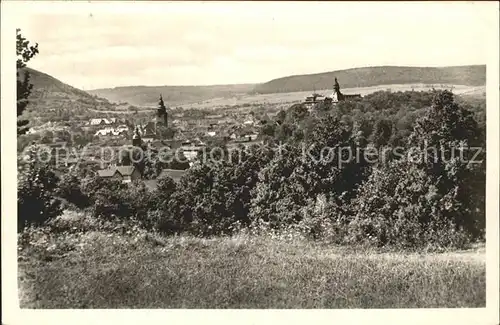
x=337, y=96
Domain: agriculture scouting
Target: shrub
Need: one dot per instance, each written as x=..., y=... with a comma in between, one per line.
x=315, y=222
x=70, y=188
x=325, y=165
x=279, y=194
x=108, y=198
x=424, y=199
x=214, y=195
x=37, y=201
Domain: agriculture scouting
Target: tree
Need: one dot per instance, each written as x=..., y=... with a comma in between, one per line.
x=340, y=169
x=382, y=132
x=36, y=192
x=25, y=52
x=108, y=198
x=158, y=216
x=213, y=196
x=165, y=188
x=279, y=192
x=325, y=163
x=297, y=112
x=70, y=189
x=48, y=137
x=447, y=139
x=173, y=159
x=268, y=130
x=281, y=116
x=430, y=195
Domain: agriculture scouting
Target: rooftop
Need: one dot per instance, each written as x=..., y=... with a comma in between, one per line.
x=122, y=170
x=175, y=174
x=106, y=172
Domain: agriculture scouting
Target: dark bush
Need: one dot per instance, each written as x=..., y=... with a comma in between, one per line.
x=70, y=188
x=214, y=195
x=37, y=200
x=429, y=197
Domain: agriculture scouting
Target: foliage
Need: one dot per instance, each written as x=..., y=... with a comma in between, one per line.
x=323, y=164
x=428, y=195
x=158, y=216
x=25, y=52
x=213, y=196
x=36, y=192
x=108, y=198
x=382, y=132
x=70, y=188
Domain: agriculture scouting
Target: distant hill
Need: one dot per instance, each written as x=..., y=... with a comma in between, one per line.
x=52, y=100
x=473, y=75
x=44, y=84
x=172, y=95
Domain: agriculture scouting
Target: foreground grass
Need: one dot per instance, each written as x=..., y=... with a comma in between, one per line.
x=102, y=270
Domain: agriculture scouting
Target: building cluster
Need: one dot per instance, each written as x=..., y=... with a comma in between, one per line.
x=189, y=138
x=180, y=133
x=119, y=130
x=130, y=173
x=336, y=96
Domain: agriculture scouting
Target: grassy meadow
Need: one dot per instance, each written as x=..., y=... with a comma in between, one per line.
x=298, y=96
x=99, y=269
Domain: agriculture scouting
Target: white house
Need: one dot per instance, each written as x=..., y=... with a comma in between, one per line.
x=190, y=154
x=111, y=131
x=102, y=121
x=102, y=132
x=122, y=128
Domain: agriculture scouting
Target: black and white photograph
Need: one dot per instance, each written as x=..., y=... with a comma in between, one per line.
x=251, y=155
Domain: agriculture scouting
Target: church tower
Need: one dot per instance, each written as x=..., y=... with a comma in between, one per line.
x=161, y=117
x=337, y=95
x=162, y=111
x=136, y=138
x=336, y=86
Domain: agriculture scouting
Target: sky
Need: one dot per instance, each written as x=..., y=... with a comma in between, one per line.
x=90, y=45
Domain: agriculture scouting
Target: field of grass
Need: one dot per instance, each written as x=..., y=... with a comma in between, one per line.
x=103, y=270
x=298, y=96
x=284, y=100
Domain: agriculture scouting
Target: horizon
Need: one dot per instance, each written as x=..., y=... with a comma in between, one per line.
x=257, y=83
x=208, y=44
x=295, y=75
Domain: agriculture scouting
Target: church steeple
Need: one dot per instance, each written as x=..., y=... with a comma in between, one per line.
x=136, y=138
x=336, y=91
x=336, y=86
x=162, y=111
